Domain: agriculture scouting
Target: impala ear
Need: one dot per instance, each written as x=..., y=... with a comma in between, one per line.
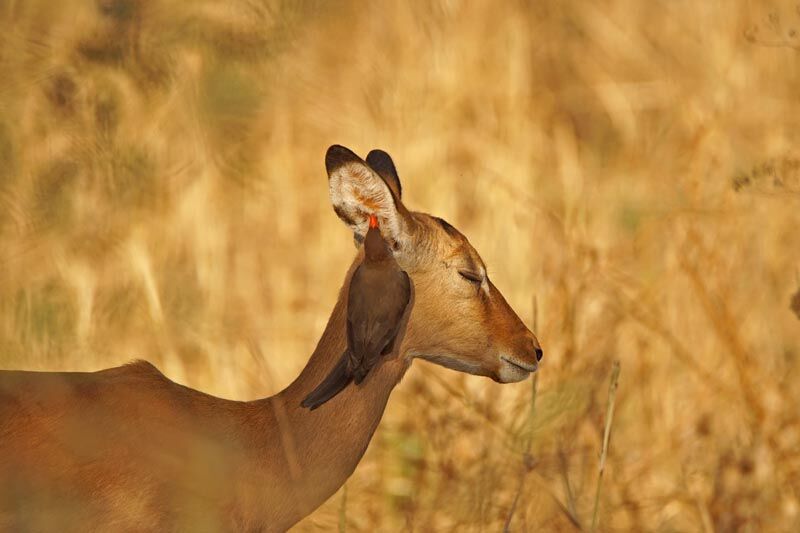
x=382, y=163
x=357, y=191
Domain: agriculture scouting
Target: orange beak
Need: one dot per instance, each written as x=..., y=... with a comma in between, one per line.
x=373, y=221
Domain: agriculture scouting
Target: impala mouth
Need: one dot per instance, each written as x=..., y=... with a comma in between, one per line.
x=527, y=367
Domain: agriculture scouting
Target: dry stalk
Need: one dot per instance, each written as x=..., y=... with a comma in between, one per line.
x=343, y=511
x=528, y=461
x=612, y=394
x=794, y=303
x=724, y=324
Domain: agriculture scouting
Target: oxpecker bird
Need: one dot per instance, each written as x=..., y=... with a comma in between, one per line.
x=376, y=301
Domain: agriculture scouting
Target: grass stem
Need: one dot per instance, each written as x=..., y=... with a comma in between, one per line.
x=612, y=394
x=343, y=511
x=527, y=459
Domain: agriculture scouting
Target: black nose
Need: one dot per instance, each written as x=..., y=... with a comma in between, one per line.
x=539, y=354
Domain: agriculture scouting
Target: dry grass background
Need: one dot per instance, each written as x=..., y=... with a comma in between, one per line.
x=631, y=167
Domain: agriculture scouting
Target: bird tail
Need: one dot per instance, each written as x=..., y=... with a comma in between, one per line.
x=332, y=385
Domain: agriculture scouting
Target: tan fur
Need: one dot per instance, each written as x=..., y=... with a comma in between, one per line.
x=126, y=449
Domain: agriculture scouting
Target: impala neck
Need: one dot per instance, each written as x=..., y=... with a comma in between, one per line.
x=321, y=448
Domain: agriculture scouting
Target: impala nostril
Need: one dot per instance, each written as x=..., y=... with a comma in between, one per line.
x=539, y=354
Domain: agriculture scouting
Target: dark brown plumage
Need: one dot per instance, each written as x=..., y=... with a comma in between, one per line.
x=376, y=301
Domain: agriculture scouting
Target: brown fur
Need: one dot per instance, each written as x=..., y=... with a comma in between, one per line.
x=126, y=449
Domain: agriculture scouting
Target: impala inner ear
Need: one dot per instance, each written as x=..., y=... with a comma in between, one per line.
x=382, y=164
x=357, y=191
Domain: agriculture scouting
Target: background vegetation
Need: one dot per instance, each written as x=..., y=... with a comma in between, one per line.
x=630, y=169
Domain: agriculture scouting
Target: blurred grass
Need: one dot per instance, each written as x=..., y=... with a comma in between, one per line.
x=633, y=166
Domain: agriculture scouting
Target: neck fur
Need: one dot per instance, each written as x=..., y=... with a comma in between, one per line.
x=319, y=449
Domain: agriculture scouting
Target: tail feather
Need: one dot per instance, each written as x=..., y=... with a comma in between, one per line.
x=332, y=385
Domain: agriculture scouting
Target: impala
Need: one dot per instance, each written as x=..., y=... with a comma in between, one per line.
x=126, y=449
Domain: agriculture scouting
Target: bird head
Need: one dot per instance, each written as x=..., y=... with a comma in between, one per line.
x=375, y=247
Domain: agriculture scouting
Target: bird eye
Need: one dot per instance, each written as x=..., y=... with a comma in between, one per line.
x=472, y=277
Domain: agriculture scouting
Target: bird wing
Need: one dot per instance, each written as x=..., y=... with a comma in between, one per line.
x=375, y=310
x=374, y=331
x=334, y=383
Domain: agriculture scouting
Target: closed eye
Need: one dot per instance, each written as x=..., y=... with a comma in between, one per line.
x=470, y=276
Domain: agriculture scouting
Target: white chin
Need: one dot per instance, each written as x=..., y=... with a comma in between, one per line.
x=511, y=373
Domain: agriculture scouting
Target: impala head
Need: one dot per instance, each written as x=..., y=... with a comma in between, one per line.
x=459, y=318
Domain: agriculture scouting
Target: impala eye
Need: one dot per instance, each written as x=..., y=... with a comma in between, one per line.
x=472, y=277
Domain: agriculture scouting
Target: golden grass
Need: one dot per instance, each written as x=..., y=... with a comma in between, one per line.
x=633, y=167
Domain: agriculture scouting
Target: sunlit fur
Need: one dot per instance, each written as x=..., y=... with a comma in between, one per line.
x=454, y=322
x=129, y=449
x=475, y=325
